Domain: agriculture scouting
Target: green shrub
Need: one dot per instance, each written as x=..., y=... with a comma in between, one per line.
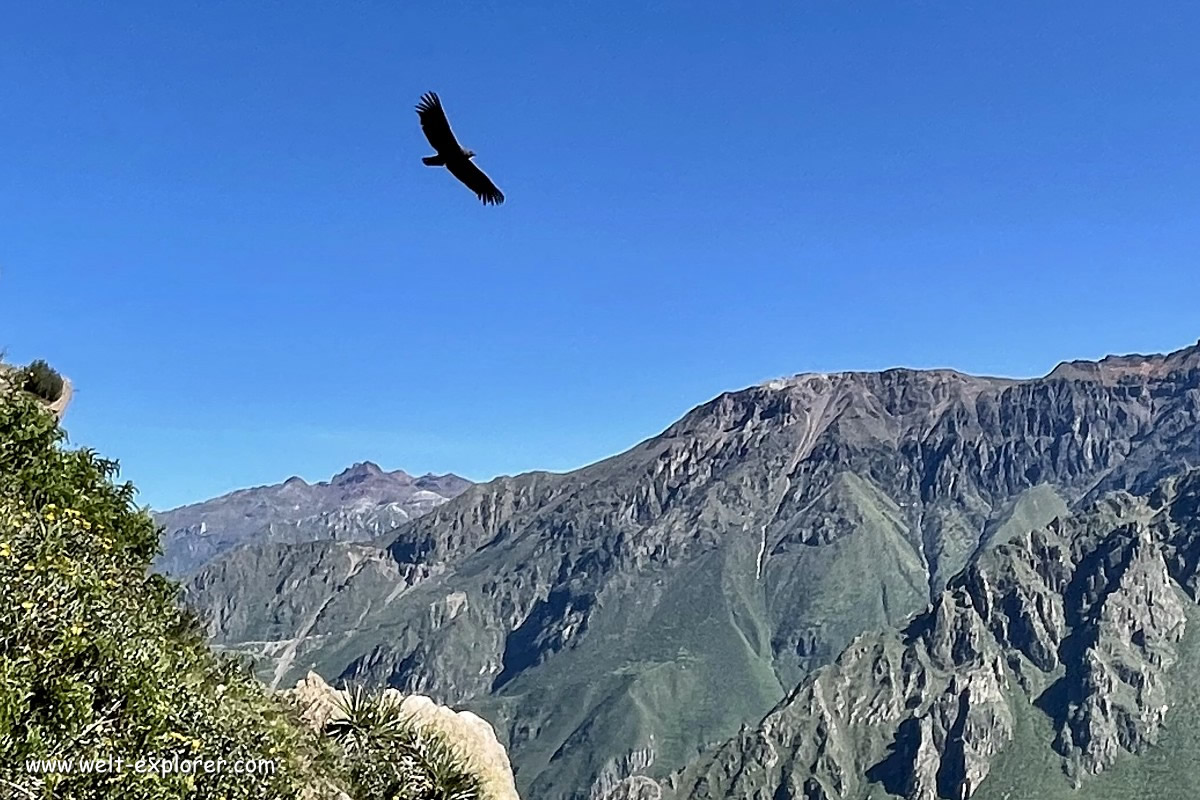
x=98, y=661
x=42, y=380
x=95, y=658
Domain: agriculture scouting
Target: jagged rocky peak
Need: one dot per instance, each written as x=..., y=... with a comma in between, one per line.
x=364, y=470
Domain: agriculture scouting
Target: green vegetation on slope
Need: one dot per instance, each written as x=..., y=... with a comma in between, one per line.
x=1060, y=665
x=97, y=662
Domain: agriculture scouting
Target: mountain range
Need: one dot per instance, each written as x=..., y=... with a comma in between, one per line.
x=908, y=583
x=358, y=503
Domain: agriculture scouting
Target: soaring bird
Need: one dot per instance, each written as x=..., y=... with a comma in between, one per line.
x=452, y=155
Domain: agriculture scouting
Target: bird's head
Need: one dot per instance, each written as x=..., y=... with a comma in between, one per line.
x=469, y=153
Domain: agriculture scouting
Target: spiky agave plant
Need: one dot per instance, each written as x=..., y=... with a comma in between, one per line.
x=443, y=765
x=393, y=758
x=366, y=719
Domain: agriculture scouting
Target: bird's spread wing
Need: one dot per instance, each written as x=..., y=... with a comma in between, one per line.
x=436, y=126
x=476, y=181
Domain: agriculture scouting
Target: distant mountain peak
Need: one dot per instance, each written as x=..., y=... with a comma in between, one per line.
x=359, y=502
x=360, y=471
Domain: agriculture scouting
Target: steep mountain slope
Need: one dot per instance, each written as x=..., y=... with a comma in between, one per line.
x=616, y=620
x=358, y=503
x=1048, y=662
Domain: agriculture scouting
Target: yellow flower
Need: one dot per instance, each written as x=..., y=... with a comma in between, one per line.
x=27, y=605
x=30, y=567
x=76, y=629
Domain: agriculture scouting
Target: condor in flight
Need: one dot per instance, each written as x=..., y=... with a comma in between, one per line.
x=452, y=155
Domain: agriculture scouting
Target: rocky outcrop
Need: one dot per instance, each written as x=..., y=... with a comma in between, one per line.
x=1115, y=687
x=1081, y=618
x=472, y=736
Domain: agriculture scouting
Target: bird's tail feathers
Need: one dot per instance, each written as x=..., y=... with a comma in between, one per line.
x=433, y=161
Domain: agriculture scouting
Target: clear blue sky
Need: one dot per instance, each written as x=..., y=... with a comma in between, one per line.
x=214, y=219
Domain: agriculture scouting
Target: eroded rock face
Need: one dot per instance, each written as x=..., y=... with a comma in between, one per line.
x=474, y=737
x=1082, y=618
x=923, y=718
x=1129, y=623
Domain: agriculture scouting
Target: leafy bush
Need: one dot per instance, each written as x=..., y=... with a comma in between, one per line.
x=98, y=662
x=42, y=380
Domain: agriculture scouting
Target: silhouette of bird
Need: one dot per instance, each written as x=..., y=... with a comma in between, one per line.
x=452, y=155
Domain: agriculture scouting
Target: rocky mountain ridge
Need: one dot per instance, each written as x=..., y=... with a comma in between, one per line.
x=358, y=503
x=614, y=621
